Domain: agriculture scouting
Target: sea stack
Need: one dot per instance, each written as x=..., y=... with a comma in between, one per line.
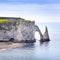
x=45, y=36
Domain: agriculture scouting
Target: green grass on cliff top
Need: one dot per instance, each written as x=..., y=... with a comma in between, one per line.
x=6, y=21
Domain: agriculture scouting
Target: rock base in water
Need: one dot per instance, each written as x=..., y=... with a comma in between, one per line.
x=26, y=41
x=43, y=40
x=45, y=36
x=30, y=41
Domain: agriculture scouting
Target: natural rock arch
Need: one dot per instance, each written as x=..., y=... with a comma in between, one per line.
x=44, y=37
x=38, y=30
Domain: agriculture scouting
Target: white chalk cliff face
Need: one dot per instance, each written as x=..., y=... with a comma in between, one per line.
x=25, y=31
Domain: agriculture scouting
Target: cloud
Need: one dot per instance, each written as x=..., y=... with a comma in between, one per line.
x=36, y=12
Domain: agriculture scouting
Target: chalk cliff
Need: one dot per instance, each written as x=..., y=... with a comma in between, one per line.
x=20, y=30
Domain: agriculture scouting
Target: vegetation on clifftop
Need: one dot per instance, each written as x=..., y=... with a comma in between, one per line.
x=12, y=19
x=5, y=21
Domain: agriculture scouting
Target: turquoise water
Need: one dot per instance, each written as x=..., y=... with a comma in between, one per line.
x=37, y=51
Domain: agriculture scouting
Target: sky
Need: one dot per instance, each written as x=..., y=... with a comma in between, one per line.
x=37, y=10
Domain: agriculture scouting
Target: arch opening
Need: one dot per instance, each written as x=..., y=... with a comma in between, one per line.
x=37, y=35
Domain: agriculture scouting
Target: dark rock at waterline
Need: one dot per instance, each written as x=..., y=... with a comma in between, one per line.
x=11, y=39
x=25, y=41
x=30, y=41
x=45, y=36
x=44, y=40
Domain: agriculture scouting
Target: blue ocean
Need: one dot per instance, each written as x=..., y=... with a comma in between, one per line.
x=37, y=51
